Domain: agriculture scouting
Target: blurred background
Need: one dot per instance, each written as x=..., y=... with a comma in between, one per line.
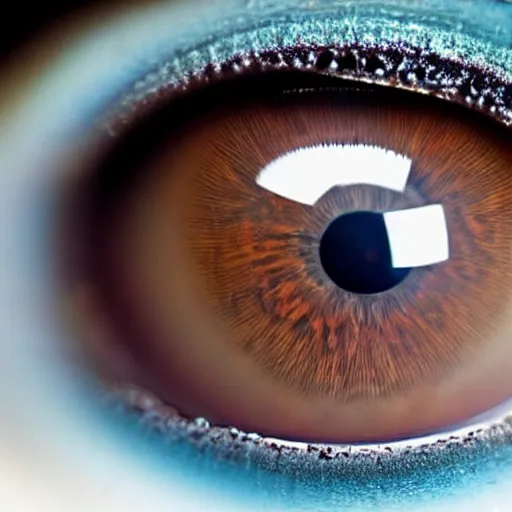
x=26, y=22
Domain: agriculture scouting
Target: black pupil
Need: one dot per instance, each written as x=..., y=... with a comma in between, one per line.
x=356, y=255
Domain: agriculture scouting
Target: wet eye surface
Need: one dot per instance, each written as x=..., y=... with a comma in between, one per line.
x=308, y=258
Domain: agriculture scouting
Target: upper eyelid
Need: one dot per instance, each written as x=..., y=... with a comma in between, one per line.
x=92, y=110
x=246, y=44
x=143, y=58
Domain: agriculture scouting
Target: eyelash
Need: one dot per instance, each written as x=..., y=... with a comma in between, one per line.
x=425, y=467
x=425, y=63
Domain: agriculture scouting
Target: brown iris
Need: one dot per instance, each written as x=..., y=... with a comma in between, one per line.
x=219, y=293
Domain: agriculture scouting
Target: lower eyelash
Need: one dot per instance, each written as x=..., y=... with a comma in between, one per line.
x=376, y=473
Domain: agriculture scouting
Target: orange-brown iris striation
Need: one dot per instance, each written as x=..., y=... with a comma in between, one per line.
x=223, y=257
x=257, y=254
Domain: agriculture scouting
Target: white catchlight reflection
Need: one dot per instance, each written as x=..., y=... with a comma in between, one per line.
x=304, y=175
x=417, y=236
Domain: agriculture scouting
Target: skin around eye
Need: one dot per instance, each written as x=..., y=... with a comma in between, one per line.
x=221, y=296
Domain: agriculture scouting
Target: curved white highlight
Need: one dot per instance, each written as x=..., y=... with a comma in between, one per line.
x=304, y=175
x=417, y=236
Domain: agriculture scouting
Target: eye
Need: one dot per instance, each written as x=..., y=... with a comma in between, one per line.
x=304, y=318
x=121, y=293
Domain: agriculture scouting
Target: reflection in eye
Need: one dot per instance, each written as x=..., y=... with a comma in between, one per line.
x=292, y=318
x=306, y=174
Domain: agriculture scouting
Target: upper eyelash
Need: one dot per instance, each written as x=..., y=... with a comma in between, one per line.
x=467, y=70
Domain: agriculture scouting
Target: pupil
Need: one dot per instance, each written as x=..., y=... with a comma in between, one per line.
x=356, y=255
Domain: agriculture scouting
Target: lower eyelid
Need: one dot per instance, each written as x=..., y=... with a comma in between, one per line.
x=327, y=476
x=454, y=457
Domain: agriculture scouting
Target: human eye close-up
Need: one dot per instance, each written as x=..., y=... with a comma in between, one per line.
x=256, y=256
